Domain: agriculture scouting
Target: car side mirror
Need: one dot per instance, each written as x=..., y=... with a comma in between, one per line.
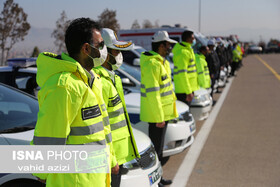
x=127, y=82
x=136, y=62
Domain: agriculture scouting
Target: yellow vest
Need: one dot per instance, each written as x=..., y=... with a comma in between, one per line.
x=158, y=101
x=203, y=76
x=184, y=76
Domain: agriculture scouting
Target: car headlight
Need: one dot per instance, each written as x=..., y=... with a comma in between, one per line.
x=196, y=99
x=186, y=116
x=133, y=164
x=148, y=159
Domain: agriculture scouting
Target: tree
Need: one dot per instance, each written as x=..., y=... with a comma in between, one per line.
x=35, y=52
x=147, y=24
x=135, y=25
x=107, y=19
x=58, y=33
x=13, y=27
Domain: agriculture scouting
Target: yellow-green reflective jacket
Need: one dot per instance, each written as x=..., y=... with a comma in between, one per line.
x=122, y=136
x=236, y=56
x=158, y=101
x=184, y=75
x=108, y=135
x=69, y=113
x=203, y=76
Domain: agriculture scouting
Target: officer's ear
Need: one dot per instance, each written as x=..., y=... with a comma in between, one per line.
x=86, y=49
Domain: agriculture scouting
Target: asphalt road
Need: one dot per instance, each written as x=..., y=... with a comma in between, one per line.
x=243, y=147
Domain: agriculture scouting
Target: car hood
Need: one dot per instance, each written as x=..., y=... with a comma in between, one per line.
x=20, y=138
x=142, y=140
x=201, y=91
x=132, y=100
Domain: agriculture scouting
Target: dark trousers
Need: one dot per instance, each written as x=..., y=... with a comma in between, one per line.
x=116, y=179
x=182, y=97
x=233, y=68
x=157, y=136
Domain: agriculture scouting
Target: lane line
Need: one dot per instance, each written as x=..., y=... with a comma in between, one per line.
x=268, y=67
x=182, y=176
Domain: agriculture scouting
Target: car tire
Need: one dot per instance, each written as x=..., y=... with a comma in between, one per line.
x=23, y=183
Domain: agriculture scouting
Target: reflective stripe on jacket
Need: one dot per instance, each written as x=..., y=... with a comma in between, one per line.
x=158, y=101
x=69, y=114
x=97, y=89
x=203, y=76
x=124, y=143
x=185, y=76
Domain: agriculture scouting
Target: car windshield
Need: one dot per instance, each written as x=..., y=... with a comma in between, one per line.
x=132, y=71
x=18, y=111
x=140, y=50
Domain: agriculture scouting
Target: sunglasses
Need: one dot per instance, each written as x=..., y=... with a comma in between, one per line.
x=99, y=46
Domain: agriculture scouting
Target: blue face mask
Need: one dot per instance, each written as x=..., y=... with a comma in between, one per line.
x=194, y=42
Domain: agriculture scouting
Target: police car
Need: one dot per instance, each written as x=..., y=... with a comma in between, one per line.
x=20, y=73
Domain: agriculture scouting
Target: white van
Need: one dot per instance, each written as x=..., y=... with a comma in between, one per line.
x=143, y=37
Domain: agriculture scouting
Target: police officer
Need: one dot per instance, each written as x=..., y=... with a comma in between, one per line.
x=124, y=146
x=68, y=84
x=185, y=74
x=204, y=80
x=157, y=96
x=213, y=64
x=236, y=58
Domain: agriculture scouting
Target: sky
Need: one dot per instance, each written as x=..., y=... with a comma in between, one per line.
x=217, y=16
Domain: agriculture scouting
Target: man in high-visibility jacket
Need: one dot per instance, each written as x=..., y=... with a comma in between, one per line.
x=70, y=111
x=185, y=74
x=204, y=79
x=158, y=101
x=236, y=58
x=124, y=145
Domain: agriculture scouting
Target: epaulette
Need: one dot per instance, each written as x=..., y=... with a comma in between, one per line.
x=182, y=44
x=58, y=57
x=147, y=53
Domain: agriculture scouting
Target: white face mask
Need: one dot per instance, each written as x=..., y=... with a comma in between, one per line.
x=103, y=55
x=119, y=61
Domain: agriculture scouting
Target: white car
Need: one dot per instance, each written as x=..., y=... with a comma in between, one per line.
x=18, y=116
x=201, y=104
x=20, y=73
x=179, y=132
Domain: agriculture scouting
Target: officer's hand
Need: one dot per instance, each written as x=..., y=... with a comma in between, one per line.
x=160, y=125
x=40, y=180
x=189, y=97
x=115, y=170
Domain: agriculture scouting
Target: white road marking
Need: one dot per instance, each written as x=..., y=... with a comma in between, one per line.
x=182, y=176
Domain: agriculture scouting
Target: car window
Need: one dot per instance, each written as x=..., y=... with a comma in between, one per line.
x=140, y=50
x=132, y=71
x=17, y=110
x=128, y=57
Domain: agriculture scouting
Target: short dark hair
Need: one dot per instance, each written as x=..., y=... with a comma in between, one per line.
x=79, y=32
x=186, y=34
x=155, y=45
x=203, y=48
